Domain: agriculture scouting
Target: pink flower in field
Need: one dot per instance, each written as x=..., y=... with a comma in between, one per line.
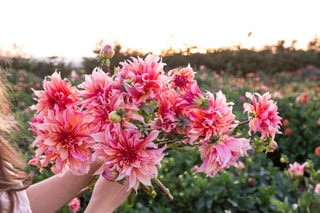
x=288, y=131
x=302, y=98
x=216, y=120
x=263, y=115
x=202, y=67
x=285, y=122
x=296, y=169
x=317, y=189
x=125, y=151
x=74, y=205
x=222, y=154
x=195, y=168
x=57, y=94
x=318, y=122
x=242, y=98
x=64, y=137
x=182, y=78
x=310, y=67
x=241, y=165
x=277, y=95
x=250, y=180
x=203, y=76
x=317, y=151
x=142, y=79
x=264, y=88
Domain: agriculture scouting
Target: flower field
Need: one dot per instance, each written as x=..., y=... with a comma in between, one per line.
x=282, y=181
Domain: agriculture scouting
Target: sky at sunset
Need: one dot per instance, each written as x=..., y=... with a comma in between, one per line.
x=71, y=28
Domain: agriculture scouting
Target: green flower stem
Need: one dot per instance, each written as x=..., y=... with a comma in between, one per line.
x=163, y=189
x=243, y=123
x=108, y=70
x=88, y=188
x=130, y=199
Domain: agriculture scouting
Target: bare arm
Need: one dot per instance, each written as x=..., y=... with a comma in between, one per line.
x=51, y=194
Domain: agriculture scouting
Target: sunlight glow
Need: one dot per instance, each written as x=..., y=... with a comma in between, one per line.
x=72, y=28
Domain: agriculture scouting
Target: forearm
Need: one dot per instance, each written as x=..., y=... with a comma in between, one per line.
x=107, y=196
x=51, y=194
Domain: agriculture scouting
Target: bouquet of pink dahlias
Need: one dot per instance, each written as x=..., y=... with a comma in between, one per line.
x=129, y=121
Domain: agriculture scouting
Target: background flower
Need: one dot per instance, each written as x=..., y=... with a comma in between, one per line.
x=74, y=205
x=296, y=169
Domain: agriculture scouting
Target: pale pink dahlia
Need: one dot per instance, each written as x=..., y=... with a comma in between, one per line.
x=215, y=121
x=135, y=158
x=222, y=154
x=64, y=137
x=263, y=115
x=142, y=79
x=57, y=94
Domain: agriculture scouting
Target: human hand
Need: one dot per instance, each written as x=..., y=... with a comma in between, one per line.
x=107, y=196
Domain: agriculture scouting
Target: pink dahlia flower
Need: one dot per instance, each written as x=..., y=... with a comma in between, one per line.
x=101, y=98
x=222, y=154
x=296, y=169
x=263, y=115
x=168, y=111
x=135, y=158
x=98, y=88
x=142, y=79
x=214, y=121
x=193, y=97
x=57, y=94
x=64, y=137
x=182, y=78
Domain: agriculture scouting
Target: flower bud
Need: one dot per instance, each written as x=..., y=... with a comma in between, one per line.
x=284, y=159
x=307, y=165
x=258, y=149
x=272, y=146
x=149, y=189
x=107, y=52
x=114, y=117
x=110, y=175
x=121, y=111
